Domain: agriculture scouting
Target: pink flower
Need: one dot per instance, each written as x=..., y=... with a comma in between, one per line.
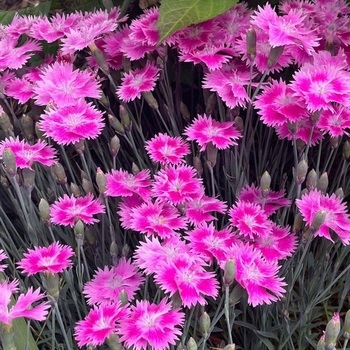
x=68, y=210
x=108, y=283
x=3, y=256
x=279, y=245
x=336, y=218
x=209, y=243
x=250, y=220
x=189, y=279
x=205, y=129
x=121, y=183
x=270, y=202
x=26, y=154
x=255, y=274
x=177, y=184
x=99, y=324
x=335, y=121
x=157, y=218
x=198, y=210
x=63, y=86
x=49, y=260
x=151, y=325
x=278, y=105
x=19, y=26
x=126, y=207
x=166, y=149
x=137, y=81
x=71, y=124
x=23, y=306
x=20, y=89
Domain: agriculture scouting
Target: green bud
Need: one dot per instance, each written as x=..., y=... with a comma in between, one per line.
x=229, y=272
x=230, y=347
x=347, y=323
x=28, y=176
x=125, y=118
x=321, y=344
x=104, y=101
x=44, y=209
x=239, y=124
x=339, y=193
x=79, y=146
x=52, y=287
x=101, y=180
x=149, y=98
x=89, y=235
x=197, y=164
x=126, y=250
x=298, y=222
x=346, y=150
x=334, y=142
x=123, y=297
x=114, y=146
x=87, y=186
x=274, y=55
x=79, y=228
x=9, y=159
x=212, y=154
x=28, y=126
x=332, y=330
x=237, y=292
x=204, y=323
x=300, y=145
x=113, y=342
x=191, y=344
x=311, y=180
x=185, y=112
x=75, y=189
x=134, y=168
x=38, y=132
x=210, y=103
x=60, y=174
x=113, y=249
x=301, y=172
x=265, y=183
x=116, y=124
x=99, y=57
x=251, y=44
x=322, y=183
x=318, y=220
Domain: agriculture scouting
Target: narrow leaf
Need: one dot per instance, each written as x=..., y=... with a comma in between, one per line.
x=175, y=15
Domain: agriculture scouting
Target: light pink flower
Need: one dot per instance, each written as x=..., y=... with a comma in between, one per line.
x=23, y=306
x=20, y=25
x=151, y=325
x=177, y=184
x=190, y=279
x=3, y=256
x=20, y=89
x=279, y=245
x=205, y=129
x=121, y=183
x=137, y=81
x=198, y=210
x=335, y=121
x=337, y=218
x=250, y=220
x=107, y=284
x=157, y=218
x=68, y=210
x=209, y=243
x=49, y=260
x=101, y=322
x=62, y=85
x=73, y=123
x=255, y=274
x=26, y=154
x=166, y=149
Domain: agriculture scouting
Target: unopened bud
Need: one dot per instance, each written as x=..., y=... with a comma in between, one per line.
x=87, y=186
x=237, y=292
x=39, y=133
x=321, y=343
x=89, y=235
x=113, y=249
x=108, y=4
x=251, y=44
x=191, y=344
x=298, y=222
x=149, y=98
x=204, y=323
x=116, y=124
x=60, y=174
x=52, y=287
x=197, y=164
x=44, y=209
x=274, y=55
x=212, y=154
x=80, y=146
x=28, y=176
x=300, y=145
x=230, y=347
x=4, y=182
x=114, y=146
x=311, y=180
x=185, y=112
x=315, y=117
x=301, y=172
x=9, y=159
x=99, y=57
x=332, y=330
x=265, y=183
x=6, y=124
x=104, y=101
x=123, y=297
x=347, y=325
x=346, y=150
x=334, y=142
x=28, y=126
x=229, y=272
x=134, y=168
x=239, y=124
x=79, y=231
x=330, y=46
x=210, y=104
x=126, y=250
x=125, y=118
x=339, y=193
x=75, y=189
x=292, y=127
x=318, y=220
x=322, y=183
x=101, y=180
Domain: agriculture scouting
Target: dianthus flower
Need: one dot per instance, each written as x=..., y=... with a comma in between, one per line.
x=126, y=206
x=68, y=210
x=20, y=88
x=20, y=25
x=198, y=210
x=255, y=274
x=157, y=218
x=2, y=257
x=204, y=130
x=99, y=324
x=277, y=104
x=26, y=154
x=121, y=183
x=107, y=284
x=151, y=325
x=177, y=184
x=210, y=243
x=137, y=81
x=63, y=86
x=336, y=217
x=335, y=122
x=71, y=124
x=278, y=245
x=166, y=149
x=23, y=306
x=250, y=220
x=50, y=260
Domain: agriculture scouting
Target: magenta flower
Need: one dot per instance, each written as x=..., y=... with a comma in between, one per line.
x=250, y=220
x=26, y=154
x=121, y=183
x=157, y=218
x=71, y=124
x=336, y=219
x=101, y=322
x=335, y=121
x=126, y=209
x=189, y=279
x=137, y=81
x=279, y=245
x=49, y=260
x=63, y=86
x=205, y=129
x=68, y=210
x=256, y=275
x=23, y=307
x=20, y=89
x=166, y=149
x=209, y=243
x=177, y=184
x=3, y=256
x=107, y=284
x=198, y=210
x=151, y=325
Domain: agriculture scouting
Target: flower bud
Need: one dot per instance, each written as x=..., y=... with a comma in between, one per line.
x=116, y=124
x=229, y=272
x=197, y=164
x=52, y=287
x=104, y=101
x=75, y=189
x=318, y=220
x=28, y=126
x=212, y=153
x=346, y=150
x=4, y=182
x=204, y=323
x=237, y=292
x=185, y=112
x=39, y=133
x=274, y=55
x=134, y=168
x=230, y=347
x=315, y=117
x=101, y=180
x=114, y=146
x=126, y=250
x=265, y=183
x=339, y=193
x=89, y=235
x=79, y=228
x=125, y=118
x=347, y=325
x=9, y=159
x=28, y=176
x=149, y=98
x=311, y=180
x=113, y=342
x=301, y=172
x=332, y=330
x=239, y=124
x=123, y=297
x=322, y=183
x=59, y=173
x=191, y=344
x=44, y=210
x=210, y=104
x=113, y=249
x=321, y=344
x=300, y=145
x=99, y=57
x=251, y=44
x=6, y=124
x=87, y=186
x=298, y=222
x=79, y=146
x=334, y=142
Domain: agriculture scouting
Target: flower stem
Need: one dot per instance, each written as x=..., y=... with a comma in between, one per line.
x=227, y=313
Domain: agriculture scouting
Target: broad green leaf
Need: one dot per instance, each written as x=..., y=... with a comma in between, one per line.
x=43, y=8
x=175, y=15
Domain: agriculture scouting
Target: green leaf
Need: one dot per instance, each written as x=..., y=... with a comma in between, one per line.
x=43, y=8
x=175, y=15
